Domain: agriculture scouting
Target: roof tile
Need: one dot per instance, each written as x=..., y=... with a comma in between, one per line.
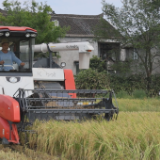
x=79, y=24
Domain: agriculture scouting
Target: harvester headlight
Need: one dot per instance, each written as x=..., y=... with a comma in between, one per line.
x=13, y=79
x=63, y=64
x=1, y=34
x=7, y=34
x=33, y=35
x=27, y=35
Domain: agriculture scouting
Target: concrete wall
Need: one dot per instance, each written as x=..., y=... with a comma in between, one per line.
x=156, y=61
x=122, y=55
x=135, y=64
x=70, y=56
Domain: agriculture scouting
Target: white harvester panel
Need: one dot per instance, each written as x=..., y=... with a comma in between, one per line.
x=84, y=49
x=9, y=85
x=48, y=74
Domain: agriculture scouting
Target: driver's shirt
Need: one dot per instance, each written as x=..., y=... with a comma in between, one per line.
x=8, y=59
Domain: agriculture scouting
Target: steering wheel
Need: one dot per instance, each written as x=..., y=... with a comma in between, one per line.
x=21, y=68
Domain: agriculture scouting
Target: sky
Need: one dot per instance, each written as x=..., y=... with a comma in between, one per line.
x=81, y=7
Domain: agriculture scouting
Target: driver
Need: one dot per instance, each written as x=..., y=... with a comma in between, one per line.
x=8, y=57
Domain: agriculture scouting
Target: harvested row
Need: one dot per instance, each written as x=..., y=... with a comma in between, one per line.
x=18, y=152
x=135, y=135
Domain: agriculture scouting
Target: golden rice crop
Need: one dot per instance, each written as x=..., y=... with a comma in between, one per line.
x=139, y=104
x=135, y=135
x=18, y=152
x=9, y=155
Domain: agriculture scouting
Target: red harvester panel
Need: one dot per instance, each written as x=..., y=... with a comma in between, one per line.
x=11, y=28
x=5, y=132
x=9, y=108
x=69, y=81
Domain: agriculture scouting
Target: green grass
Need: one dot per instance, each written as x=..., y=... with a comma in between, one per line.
x=135, y=135
x=137, y=94
x=139, y=104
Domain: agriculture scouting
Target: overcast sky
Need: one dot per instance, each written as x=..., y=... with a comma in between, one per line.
x=82, y=7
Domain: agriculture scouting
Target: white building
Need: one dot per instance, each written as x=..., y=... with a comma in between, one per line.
x=81, y=29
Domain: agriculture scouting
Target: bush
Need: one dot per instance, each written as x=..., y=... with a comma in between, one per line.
x=126, y=83
x=154, y=86
x=91, y=79
x=139, y=94
x=137, y=86
x=122, y=94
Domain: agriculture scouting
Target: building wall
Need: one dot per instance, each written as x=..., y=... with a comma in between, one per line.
x=156, y=61
x=71, y=56
x=136, y=61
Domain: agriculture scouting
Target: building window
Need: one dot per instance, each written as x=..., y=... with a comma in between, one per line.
x=109, y=51
x=135, y=55
x=77, y=66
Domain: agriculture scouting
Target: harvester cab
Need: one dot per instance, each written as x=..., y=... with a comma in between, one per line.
x=21, y=43
x=43, y=90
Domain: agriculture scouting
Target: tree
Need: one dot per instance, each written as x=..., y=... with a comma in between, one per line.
x=138, y=21
x=33, y=15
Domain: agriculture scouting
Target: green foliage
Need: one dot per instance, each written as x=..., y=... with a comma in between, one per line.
x=135, y=85
x=122, y=94
x=122, y=68
x=36, y=16
x=136, y=26
x=126, y=83
x=154, y=85
x=91, y=79
x=97, y=64
x=140, y=94
x=137, y=94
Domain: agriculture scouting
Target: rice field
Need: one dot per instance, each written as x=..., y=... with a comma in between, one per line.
x=139, y=104
x=18, y=152
x=134, y=136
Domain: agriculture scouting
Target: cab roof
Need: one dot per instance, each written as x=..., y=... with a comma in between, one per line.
x=15, y=28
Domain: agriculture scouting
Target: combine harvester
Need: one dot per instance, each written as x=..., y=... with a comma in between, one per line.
x=44, y=90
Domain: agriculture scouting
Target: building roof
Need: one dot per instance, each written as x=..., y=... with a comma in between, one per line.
x=80, y=25
x=3, y=12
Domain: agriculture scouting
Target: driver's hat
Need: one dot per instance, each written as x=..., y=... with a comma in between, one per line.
x=5, y=41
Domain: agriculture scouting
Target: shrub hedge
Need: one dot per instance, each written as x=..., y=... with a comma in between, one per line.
x=136, y=85
x=92, y=79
